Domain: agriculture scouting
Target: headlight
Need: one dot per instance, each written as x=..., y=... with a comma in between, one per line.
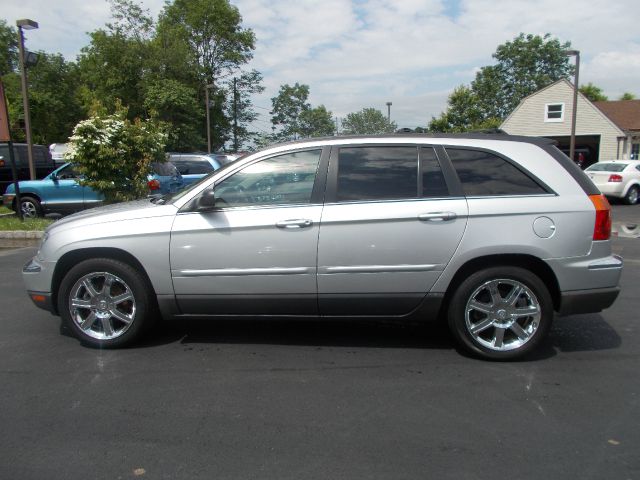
x=45, y=237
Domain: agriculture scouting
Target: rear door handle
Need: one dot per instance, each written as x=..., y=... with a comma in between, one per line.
x=296, y=223
x=437, y=216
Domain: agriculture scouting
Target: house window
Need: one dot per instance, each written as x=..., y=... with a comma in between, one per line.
x=635, y=151
x=554, y=112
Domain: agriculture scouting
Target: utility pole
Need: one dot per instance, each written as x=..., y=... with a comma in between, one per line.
x=26, y=24
x=206, y=101
x=235, y=115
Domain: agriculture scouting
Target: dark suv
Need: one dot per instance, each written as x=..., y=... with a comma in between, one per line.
x=41, y=158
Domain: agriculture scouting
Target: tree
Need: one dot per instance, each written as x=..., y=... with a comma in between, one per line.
x=524, y=66
x=212, y=34
x=175, y=105
x=316, y=122
x=627, y=96
x=8, y=48
x=368, y=121
x=114, y=154
x=287, y=107
x=593, y=92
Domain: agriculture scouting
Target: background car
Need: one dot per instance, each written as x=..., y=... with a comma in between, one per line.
x=42, y=161
x=57, y=151
x=617, y=178
x=61, y=193
x=194, y=166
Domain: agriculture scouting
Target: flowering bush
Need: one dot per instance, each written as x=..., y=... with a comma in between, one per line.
x=114, y=155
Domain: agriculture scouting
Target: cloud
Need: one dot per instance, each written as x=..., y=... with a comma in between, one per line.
x=363, y=53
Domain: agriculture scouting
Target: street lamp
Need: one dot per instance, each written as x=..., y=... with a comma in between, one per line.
x=389, y=111
x=26, y=24
x=206, y=101
x=572, y=145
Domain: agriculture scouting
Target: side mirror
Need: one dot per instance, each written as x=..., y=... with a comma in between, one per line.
x=206, y=201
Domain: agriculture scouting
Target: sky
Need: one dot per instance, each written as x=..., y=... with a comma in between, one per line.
x=355, y=54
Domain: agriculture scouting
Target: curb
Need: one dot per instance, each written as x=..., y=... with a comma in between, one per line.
x=20, y=238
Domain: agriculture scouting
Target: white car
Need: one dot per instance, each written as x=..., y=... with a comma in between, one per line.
x=617, y=178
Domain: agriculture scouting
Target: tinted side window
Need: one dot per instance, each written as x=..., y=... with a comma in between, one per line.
x=285, y=179
x=193, y=165
x=485, y=174
x=377, y=173
x=433, y=182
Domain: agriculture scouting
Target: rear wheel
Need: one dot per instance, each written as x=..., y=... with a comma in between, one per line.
x=631, y=198
x=105, y=303
x=500, y=313
x=30, y=207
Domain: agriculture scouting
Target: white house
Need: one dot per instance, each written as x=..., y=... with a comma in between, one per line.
x=604, y=130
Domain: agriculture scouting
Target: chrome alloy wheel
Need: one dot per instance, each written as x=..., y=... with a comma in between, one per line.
x=502, y=314
x=102, y=305
x=29, y=210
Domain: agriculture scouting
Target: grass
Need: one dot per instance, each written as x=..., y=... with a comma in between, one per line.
x=4, y=210
x=12, y=222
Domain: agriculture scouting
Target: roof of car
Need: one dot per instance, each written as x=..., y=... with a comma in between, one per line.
x=541, y=141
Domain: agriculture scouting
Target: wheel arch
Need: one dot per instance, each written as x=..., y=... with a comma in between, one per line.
x=25, y=195
x=70, y=259
x=528, y=262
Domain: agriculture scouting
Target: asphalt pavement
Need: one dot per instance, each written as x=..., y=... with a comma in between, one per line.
x=319, y=399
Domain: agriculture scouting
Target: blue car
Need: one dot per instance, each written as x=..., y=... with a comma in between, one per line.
x=194, y=166
x=60, y=193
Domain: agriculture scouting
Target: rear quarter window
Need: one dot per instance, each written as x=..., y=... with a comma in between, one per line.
x=483, y=173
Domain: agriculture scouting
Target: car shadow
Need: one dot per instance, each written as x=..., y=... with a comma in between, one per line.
x=307, y=332
x=577, y=333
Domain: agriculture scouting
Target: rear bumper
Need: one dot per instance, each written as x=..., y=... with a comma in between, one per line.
x=587, y=301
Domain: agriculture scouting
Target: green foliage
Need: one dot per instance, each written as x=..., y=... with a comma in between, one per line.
x=176, y=106
x=213, y=32
x=287, y=107
x=114, y=154
x=368, y=121
x=524, y=66
x=627, y=96
x=593, y=92
x=12, y=222
x=316, y=122
x=8, y=48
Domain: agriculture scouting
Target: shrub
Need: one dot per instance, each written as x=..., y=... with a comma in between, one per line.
x=114, y=154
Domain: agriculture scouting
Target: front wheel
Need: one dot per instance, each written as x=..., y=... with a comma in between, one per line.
x=500, y=313
x=30, y=207
x=105, y=303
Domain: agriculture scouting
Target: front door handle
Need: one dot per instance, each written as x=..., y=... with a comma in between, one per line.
x=437, y=216
x=296, y=223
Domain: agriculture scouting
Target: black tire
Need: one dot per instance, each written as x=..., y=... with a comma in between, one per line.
x=104, y=318
x=631, y=198
x=30, y=206
x=500, y=313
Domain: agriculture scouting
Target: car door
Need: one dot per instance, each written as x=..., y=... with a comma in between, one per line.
x=61, y=192
x=391, y=224
x=255, y=252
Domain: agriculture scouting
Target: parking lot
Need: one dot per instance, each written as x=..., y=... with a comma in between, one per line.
x=320, y=399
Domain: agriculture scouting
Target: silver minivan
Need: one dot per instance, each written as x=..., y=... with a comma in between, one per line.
x=493, y=234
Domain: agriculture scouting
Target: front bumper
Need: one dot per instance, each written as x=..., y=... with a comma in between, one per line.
x=42, y=300
x=7, y=200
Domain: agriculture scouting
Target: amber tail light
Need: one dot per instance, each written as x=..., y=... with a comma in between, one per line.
x=602, y=228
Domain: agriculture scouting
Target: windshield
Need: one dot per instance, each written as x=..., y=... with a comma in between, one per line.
x=607, y=167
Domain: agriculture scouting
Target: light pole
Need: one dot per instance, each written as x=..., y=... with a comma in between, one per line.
x=389, y=111
x=206, y=100
x=26, y=24
x=572, y=145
